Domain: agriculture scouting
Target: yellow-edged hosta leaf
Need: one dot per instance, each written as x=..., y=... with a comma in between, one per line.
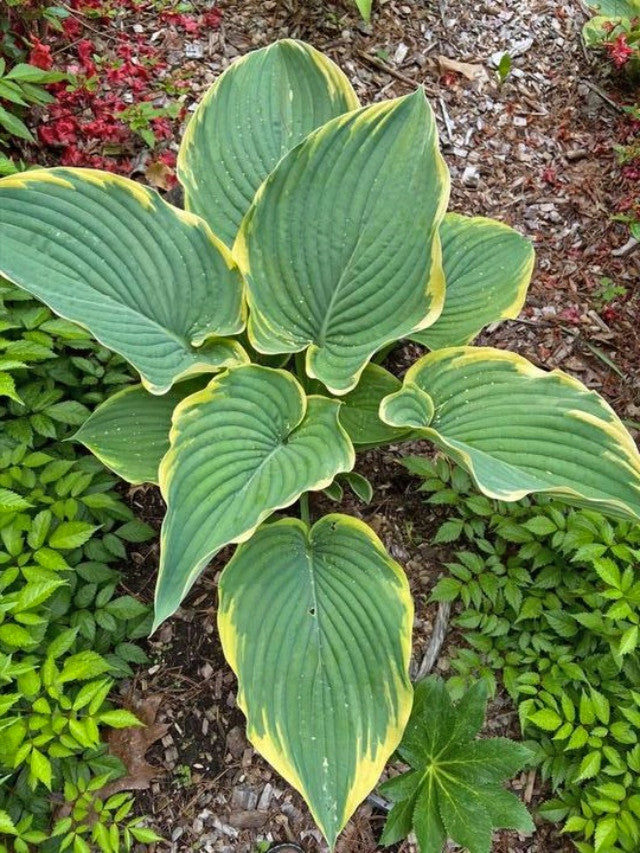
x=129, y=432
x=487, y=269
x=359, y=413
x=261, y=107
x=340, y=247
x=518, y=429
x=316, y=623
x=249, y=443
x=148, y=280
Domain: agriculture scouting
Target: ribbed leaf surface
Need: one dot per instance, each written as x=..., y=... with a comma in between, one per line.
x=129, y=432
x=316, y=623
x=359, y=414
x=339, y=254
x=260, y=108
x=487, y=269
x=148, y=280
x=518, y=429
x=616, y=8
x=248, y=444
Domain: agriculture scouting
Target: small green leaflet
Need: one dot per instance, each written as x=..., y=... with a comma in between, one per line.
x=454, y=789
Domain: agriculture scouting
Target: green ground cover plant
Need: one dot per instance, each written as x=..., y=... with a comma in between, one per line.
x=66, y=634
x=315, y=236
x=21, y=87
x=454, y=788
x=549, y=606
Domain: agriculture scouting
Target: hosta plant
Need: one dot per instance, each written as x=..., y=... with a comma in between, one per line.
x=314, y=236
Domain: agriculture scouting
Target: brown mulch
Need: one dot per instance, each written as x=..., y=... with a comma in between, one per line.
x=536, y=152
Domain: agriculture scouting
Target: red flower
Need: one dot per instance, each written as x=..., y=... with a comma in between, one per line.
x=619, y=50
x=161, y=128
x=72, y=157
x=72, y=28
x=190, y=24
x=212, y=19
x=40, y=55
x=168, y=158
x=571, y=315
x=65, y=130
x=85, y=50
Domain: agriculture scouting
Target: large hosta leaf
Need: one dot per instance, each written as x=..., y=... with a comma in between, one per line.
x=487, y=269
x=129, y=432
x=250, y=443
x=260, y=108
x=148, y=280
x=339, y=255
x=518, y=429
x=316, y=623
x=359, y=414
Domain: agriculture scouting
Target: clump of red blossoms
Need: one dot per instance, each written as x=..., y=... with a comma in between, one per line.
x=619, y=50
x=40, y=55
x=86, y=122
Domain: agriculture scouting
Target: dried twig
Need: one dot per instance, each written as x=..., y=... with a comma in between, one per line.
x=628, y=247
x=436, y=641
x=388, y=69
x=603, y=95
x=448, y=124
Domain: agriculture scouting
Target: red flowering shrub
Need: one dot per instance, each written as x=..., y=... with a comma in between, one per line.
x=116, y=101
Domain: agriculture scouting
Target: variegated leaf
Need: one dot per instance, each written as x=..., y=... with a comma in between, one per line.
x=148, y=280
x=251, y=442
x=518, y=429
x=263, y=105
x=316, y=623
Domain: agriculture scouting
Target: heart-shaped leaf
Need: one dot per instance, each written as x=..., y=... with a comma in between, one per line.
x=359, y=414
x=251, y=442
x=518, y=429
x=339, y=255
x=487, y=269
x=316, y=623
x=261, y=107
x=129, y=432
x=148, y=280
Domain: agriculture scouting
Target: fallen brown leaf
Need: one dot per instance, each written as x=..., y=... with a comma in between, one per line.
x=130, y=745
x=471, y=72
x=158, y=174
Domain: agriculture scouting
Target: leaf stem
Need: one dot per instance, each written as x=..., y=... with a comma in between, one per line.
x=304, y=508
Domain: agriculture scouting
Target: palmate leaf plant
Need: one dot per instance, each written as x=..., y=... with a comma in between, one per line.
x=315, y=235
x=453, y=788
x=547, y=599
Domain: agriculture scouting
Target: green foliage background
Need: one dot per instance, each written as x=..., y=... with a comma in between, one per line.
x=65, y=632
x=548, y=603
